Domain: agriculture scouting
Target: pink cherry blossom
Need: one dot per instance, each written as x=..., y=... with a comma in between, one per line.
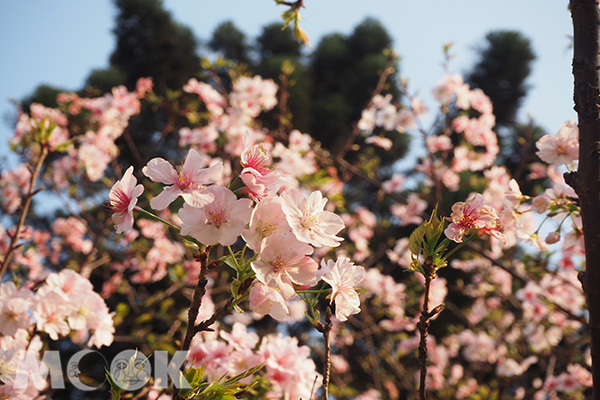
x=387, y=117
x=220, y=221
x=282, y=263
x=14, y=308
x=288, y=367
x=267, y=219
x=343, y=277
x=268, y=300
x=405, y=120
x=470, y=214
x=187, y=181
x=50, y=313
x=410, y=213
x=122, y=199
x=143, y=86
x=240, y=338
x=562, y=148
x=308, y=219
x=367, y=120
x=256, y=157
x=395, y=184
x=259, y=186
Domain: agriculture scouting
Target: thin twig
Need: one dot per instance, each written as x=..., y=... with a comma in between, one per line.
x=326, y=330
x=387, y=71
x=24, y=211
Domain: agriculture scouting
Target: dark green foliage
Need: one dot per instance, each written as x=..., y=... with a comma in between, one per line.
x=228, y=40
x=44, y=94
x=275, y=42
x=504, y=65
x=105, y=79
x=151, y=43
x=299, y=101
x=345, y=70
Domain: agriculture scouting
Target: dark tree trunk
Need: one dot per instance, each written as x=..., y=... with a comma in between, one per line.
x=586, y=181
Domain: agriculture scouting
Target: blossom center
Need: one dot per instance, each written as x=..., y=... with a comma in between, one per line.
x=279, y=266
x=265, y=228
x=217, y=216
x=258, y=159
x=309, y=219
x=184, y=179
x=120, y=201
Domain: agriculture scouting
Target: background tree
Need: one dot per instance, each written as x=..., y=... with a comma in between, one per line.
x=503, y=66
x=151, y=44
x=230, y=42
x=504, y=60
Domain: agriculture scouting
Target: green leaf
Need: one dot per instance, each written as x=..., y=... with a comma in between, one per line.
x=415, y=241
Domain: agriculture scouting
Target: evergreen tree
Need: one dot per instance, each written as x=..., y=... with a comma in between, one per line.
x=228, y=40
x=503, y=66
x=504, y=63
x=274, y=41
x=151, y=44
x=345, y=70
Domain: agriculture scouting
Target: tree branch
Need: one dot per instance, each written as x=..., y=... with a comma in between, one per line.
x=586, y=70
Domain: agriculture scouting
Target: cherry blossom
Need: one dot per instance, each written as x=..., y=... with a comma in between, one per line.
x=283, y=263
x=343, y=277
x=14, y=308
x=467, y=215
x=122, y=199
x=187, y=181
x=268, y=300
x=562, y=148
x=267, y=219
x=309, y=221
x=220, y=221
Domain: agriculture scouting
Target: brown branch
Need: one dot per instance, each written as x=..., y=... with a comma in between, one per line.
x=199, y=292
x=14, y=239
x=326, y=330
x=225, y=309
x=586, y=73
x=423, y=327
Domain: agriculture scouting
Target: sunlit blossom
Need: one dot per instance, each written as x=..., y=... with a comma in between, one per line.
x=467, y=215
x=220, y=221
x=283, y=262
x=123, y=197
x=343, y=277
x=187, y=181
x=308, y=219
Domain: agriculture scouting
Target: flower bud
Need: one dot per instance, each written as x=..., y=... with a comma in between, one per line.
x=552, y=237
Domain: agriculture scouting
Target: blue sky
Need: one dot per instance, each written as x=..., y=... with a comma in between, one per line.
x=58, y=42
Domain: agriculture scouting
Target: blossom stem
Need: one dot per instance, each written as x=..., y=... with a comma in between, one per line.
x=235, y=182
x=156, y=217
x=237, y=265
x=460, y=245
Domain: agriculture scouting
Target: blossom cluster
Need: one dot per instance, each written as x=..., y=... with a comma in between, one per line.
x=288, y=366
x=65, y=305
x=241, y=188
